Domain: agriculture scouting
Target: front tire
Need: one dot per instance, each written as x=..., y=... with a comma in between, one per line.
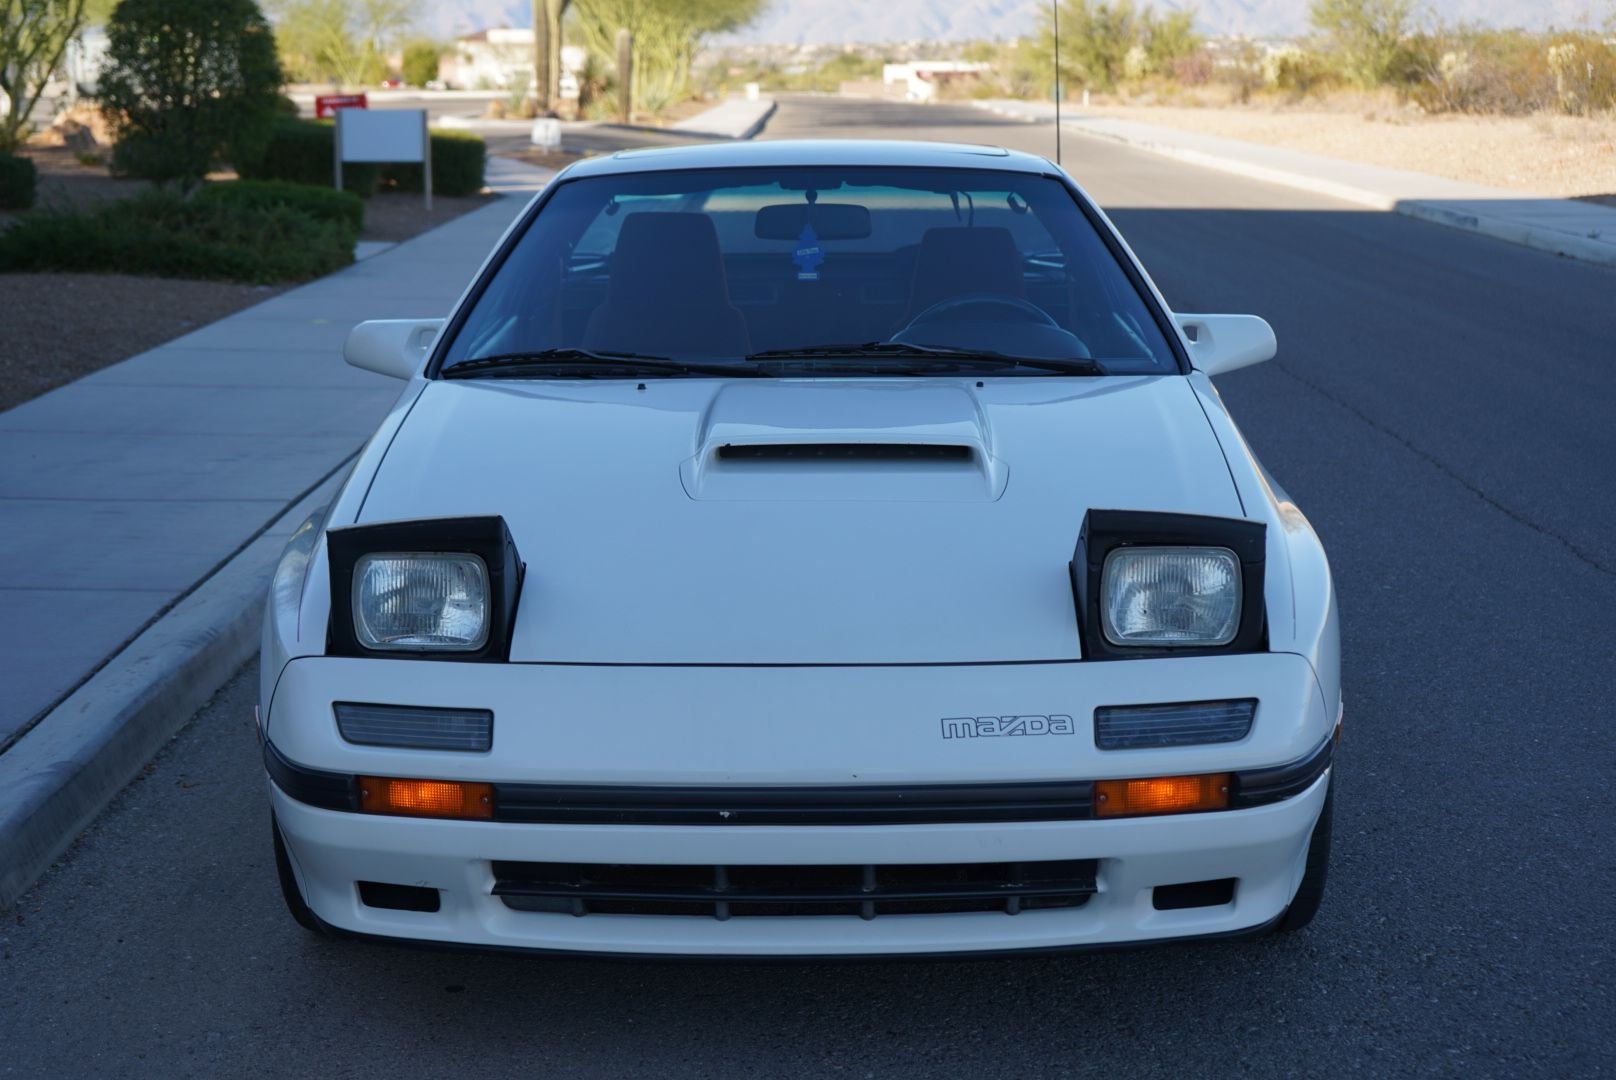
x=1305, y=904
x=305, y=916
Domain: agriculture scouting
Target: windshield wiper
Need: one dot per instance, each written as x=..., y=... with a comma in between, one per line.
x=921, y=358
x=590, y=364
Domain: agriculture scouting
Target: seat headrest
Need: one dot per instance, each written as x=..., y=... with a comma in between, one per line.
x=669, y=259
x=954, y=261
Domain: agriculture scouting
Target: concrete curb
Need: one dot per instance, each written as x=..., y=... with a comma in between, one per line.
x=757, y=113
x=1438, y=212
x=760, y=123
x=1512, y=232
x=59, y=776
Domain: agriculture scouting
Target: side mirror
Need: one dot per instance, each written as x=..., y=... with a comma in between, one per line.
x=1220, y=343
x=392, y=347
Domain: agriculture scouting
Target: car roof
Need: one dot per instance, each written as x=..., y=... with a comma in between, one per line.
x=800, y=152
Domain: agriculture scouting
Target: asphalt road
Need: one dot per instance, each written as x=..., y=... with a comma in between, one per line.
x=1444, y=408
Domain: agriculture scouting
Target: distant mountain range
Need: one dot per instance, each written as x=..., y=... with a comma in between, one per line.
x=832, y=21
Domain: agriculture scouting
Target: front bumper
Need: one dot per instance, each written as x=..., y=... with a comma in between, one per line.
x=732, y=729
x=1263, y=848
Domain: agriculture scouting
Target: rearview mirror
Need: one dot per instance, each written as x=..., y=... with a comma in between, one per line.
x=1220, y=343
x=392, y=347
x=830, y=221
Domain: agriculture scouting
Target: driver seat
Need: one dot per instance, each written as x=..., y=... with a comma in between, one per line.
x=958, y=261
x=668, y=293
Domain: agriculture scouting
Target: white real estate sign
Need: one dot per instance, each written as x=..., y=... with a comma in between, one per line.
x=385, y=135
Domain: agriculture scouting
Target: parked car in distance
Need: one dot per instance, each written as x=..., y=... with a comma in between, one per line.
x=807, y=549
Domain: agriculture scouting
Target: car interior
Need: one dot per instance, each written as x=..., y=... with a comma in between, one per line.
x=731, y=273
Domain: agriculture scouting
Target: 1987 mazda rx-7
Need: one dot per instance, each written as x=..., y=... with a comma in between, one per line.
x=818, y=549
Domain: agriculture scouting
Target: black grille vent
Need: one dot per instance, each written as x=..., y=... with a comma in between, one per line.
x=723, y=892
x=844, y=452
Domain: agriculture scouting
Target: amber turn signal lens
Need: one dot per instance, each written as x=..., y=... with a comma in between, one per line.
x=426, y=798
x=1161, y=795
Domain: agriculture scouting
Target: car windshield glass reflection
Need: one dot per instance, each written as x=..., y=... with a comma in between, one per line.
x=719, y=266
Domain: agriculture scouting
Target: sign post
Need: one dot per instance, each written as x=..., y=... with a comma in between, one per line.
x=385, y=136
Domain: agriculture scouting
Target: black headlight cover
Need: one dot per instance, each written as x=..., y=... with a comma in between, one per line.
x=488, y=538
x=1106, y=530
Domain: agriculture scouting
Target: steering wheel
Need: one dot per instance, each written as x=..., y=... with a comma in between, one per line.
x=982, y=307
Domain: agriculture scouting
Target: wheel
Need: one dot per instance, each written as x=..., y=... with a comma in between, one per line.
x=305, y=916
x=1305, y=904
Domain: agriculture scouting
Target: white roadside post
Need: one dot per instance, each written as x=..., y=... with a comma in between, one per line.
x=388, y=136
x=547, y=133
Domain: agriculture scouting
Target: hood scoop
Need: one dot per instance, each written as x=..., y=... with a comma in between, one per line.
x=850, y=451
x=845, y=442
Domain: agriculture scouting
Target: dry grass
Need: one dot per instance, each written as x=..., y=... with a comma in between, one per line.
x=1561, y=156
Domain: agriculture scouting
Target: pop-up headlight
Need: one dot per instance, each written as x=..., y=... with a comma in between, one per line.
x=1151, y=584
x=443, y=588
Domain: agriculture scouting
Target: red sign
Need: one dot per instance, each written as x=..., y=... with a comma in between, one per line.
x=326, y=104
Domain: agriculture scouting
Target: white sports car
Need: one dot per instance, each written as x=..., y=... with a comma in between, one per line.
x=805, y=549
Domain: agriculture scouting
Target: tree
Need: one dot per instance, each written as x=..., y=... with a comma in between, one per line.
x=1170, y=37
x=188, y=84
x=33, y=36
x=667, y=34
x=1366, y=35
x=421, y=62
x=344, y=42
x=1095, y=38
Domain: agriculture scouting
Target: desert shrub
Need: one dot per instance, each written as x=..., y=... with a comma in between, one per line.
x=164, y=234
x=458, y=161
x=17, y=179
x=1194, y=69
x=1295, y=71
x=189, y=84
x=1512, y=72
x=1366, y=37
x=301, y=152
x=342, y=208
x=1584, y=71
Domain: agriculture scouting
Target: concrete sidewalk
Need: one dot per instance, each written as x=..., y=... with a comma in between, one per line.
x=1567, y=227
x=126, y=491
x=733, y=118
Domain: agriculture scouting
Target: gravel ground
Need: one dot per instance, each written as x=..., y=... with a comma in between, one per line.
x=1563, y=156
x=59, y=327
x=395, y=216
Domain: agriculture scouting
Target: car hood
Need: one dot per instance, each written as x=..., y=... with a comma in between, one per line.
x=800, y=521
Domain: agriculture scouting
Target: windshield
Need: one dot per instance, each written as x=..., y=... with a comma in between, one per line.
x=807, y=270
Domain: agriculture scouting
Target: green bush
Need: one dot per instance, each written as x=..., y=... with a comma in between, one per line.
x=189, y=84
x=458, y=161
x=323, y=204
x=164, y=234
x=301, y=151
x=17, y=177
